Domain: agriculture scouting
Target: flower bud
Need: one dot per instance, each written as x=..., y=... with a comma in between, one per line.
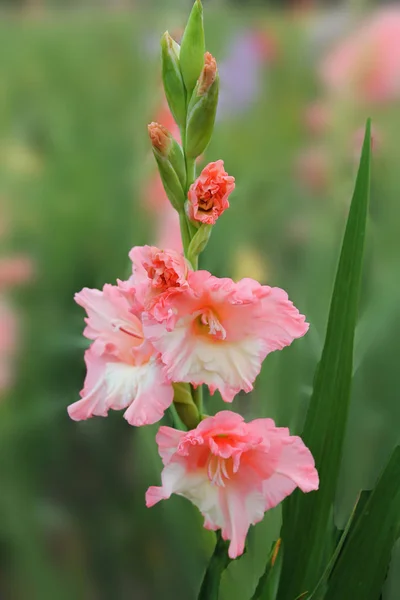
x=208, y=195
x=171, y=163
x=185, y=407
x=202, y=109
x=172, y=79
x=192, y=48
x=207, y=75
x=199, y=242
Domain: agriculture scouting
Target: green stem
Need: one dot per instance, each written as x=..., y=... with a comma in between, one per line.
x=184, y=232
x=198, y=398
x=190, y=171
x=217, y=565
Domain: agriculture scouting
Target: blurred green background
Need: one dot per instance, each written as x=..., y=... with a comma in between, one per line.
x=78, y=85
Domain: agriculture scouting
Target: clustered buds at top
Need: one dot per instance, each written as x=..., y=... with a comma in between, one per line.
x=208, y=195
x=172, y=79
x=202, y=109
x=171, y=163
x=192, y=48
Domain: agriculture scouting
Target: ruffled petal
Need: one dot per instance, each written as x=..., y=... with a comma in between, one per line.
x=109, y=384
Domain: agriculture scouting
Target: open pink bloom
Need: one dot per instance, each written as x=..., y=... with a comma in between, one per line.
x=233, y=471
x=218, y=332
x=155, y=275
x=366, y=65
x=122, y=368
x=208, y=195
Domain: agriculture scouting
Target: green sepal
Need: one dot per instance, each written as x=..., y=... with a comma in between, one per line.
x=185, y=406
x=199, y=242
x=192, y=51
x=172, y=79
x=171, y=181
x=200, y=120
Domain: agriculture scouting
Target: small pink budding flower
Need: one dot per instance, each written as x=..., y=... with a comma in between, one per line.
x=218, y=332
x=208, y=74
x=208, y=195
x=123, y=371
x=233, y=471
x=160, y=137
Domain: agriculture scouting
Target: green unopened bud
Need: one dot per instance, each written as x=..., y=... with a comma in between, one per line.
x=192, y=48
x=199, y=242
x=202, y=109
x=172, y=78
x=185, y=406
x=171, y=163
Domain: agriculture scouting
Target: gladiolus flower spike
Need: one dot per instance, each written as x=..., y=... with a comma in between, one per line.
x=158, y=337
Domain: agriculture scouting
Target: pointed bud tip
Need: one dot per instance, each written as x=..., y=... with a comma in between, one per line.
x=208, y=74
x=160, y=137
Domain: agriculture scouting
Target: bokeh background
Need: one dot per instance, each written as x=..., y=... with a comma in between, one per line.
x=78, y=188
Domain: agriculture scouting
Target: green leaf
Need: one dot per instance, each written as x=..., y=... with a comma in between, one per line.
x=308, y=533
x=363, y=564
x=217, y=565
x=263, y=587
x=319, y=591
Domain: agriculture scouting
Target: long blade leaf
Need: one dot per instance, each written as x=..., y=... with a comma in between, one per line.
x=363, y=564
x=308, y=533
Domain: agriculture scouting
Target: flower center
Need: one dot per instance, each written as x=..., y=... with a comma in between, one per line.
x=207, y=323
x=206, y=202
x=161, y=276
x=133, y=329
x=219, y=470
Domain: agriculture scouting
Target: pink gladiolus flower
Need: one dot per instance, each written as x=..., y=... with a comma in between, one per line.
x=233, y=471
x=367, y=64
x=218, y=332
x=208, y=195
x=123, y=371
x=156, y=274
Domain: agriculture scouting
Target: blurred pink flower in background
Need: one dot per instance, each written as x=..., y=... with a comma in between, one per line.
x=250, y=51
x=366, y=65
x=14, y=270
x=312, y=168
x=168, y=231
x=8, y=344
x=233, y=471
x=317, y=117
